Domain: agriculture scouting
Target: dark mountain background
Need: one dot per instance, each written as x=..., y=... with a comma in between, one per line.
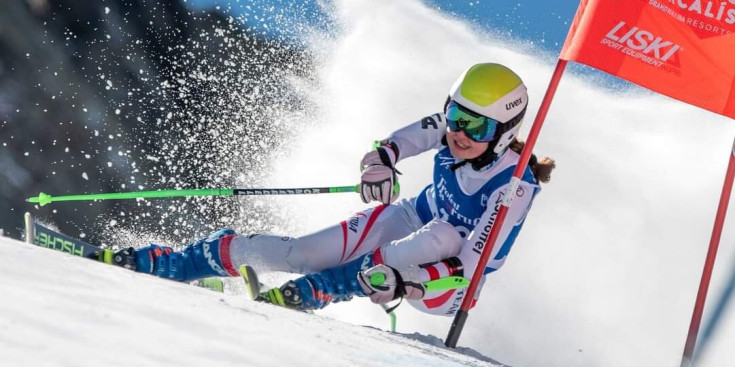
x=123, y=95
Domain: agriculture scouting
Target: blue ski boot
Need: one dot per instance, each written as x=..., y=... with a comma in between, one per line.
x=198, y=260
x=317, y=290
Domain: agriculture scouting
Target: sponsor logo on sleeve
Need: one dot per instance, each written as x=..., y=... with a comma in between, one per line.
x=429, y=121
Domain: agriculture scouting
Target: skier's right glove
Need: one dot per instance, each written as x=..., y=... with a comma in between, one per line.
x=383, y=283
x=379, y=179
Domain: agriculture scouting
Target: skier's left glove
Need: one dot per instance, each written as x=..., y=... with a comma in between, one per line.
x=379, y=180
x=383, y=283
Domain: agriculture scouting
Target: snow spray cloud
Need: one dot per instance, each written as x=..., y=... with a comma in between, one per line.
x=606, y=269
x=224, y=114
x=190, y=100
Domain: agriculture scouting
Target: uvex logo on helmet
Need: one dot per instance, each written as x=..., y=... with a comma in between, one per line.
x=513, y=104
x=642, y=40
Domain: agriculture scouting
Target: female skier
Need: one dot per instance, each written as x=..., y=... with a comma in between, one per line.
x=439, y=233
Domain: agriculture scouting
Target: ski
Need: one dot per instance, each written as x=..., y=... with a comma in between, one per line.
x=252, y=285
x=214, y=284
x=42, y=236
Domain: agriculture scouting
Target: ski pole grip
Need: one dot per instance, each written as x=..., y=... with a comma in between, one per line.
x=377, y=279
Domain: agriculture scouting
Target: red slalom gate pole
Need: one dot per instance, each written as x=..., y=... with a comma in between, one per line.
x=463, y=312
x=709, y=263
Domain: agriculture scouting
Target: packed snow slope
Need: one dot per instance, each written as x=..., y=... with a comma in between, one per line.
x=61, y=310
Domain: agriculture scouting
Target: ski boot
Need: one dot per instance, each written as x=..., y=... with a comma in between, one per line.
x=198, y=260
x=287, y=296
x=312, y=291
x=124, y=258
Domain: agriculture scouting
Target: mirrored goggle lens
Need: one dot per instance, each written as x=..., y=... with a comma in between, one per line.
x=477, y=127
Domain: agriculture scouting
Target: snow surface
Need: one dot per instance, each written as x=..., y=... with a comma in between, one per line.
x=61, y=310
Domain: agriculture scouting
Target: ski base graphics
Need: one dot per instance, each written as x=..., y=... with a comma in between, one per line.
x=42, y=236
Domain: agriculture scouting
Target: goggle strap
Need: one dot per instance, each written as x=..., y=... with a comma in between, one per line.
x=503, y=128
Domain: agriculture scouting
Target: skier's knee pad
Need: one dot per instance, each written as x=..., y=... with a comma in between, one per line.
x=204, y=258
x=435, y=241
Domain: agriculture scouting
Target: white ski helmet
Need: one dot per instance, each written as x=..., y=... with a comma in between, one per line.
x=492, y=91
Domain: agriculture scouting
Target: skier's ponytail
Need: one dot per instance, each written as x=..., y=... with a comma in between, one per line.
x=540, y=168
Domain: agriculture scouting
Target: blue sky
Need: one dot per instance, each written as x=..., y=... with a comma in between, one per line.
x=545, y=23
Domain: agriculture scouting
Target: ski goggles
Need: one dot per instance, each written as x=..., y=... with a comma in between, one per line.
x=477, y=127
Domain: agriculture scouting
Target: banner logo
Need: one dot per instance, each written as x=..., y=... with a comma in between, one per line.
x=705, y=18
x=644, y=41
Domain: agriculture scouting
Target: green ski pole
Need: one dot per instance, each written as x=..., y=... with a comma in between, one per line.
x=441, y=284
x=44, y=199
